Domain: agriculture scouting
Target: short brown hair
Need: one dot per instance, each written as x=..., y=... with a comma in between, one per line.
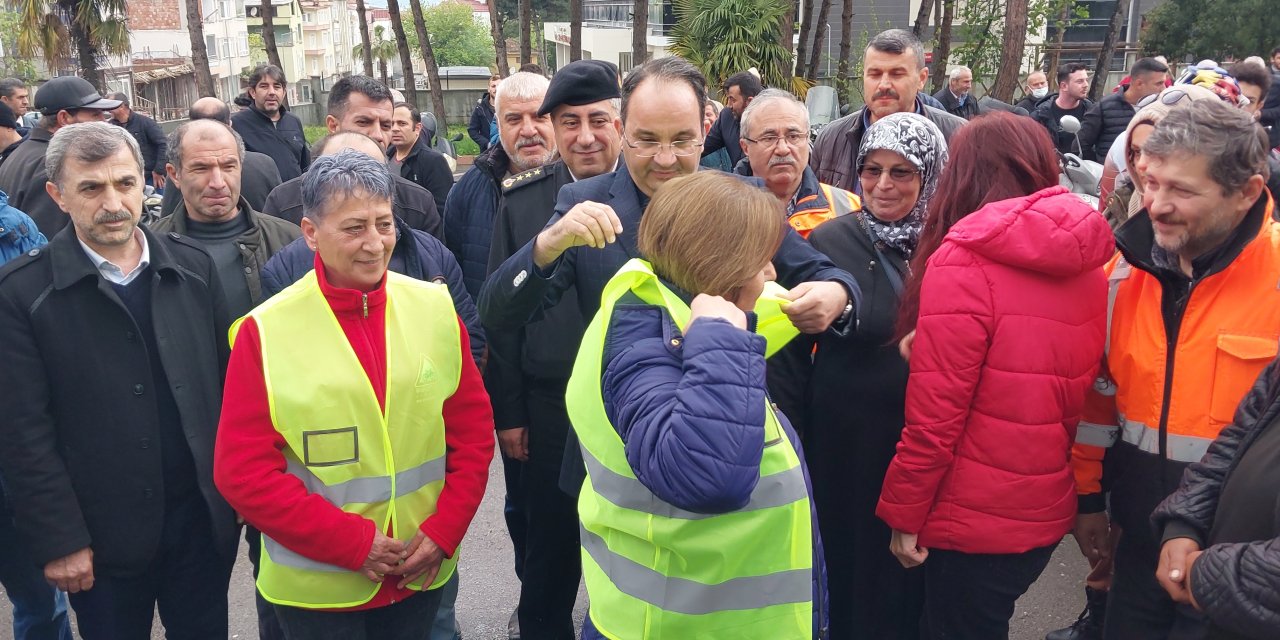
x=710, y=232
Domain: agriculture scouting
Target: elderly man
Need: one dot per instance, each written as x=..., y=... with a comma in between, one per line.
x=893, y=75
x=362, y=498
x=258, y=176
x=1196, y=263
x=114, y=353
x=1036, y=89
x=206, y=163
x=411, y=157
x=61, y=101
x=268, y=127
x=776, y=140
x=955, y=96
x=149, y=135
x=529, y=366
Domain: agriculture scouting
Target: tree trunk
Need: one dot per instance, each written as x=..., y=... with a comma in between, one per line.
x=269, y=35
x=846, y=47
x=1015, y=37
x=942, y=50
x=87, y=56
x=526, y=28
x=639, y=33
x=406, y=58
x=1101, y=70
x=199, y=53
x=1055, y=52
x=575, y=31
x=433, y=70
x=821, y=31
x=786, y=38
x=366, y=57
x=499, y=41
x=922, y=18
x=382, y=68
x=802, y=46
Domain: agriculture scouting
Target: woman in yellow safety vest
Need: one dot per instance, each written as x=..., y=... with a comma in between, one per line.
x=696, y=517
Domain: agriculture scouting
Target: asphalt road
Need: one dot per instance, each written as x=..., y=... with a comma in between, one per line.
x=489, y=590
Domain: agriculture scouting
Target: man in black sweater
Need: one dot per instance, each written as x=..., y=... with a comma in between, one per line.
x=268, y=127
x=149, y=135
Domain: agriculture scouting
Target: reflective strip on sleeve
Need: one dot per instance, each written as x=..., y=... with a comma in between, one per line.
x=1097, y=435
x=771, y=491
x=1181, y=448
x=685, y=596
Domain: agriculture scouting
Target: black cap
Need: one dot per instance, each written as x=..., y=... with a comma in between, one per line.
x=582, y=82
x=70, y=92
x=8, y=120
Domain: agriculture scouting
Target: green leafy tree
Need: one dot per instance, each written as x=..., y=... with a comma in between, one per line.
x=59, y=30
x=1212, y=28
x=12, y=64
x=723, y=37
x=981, y=39
x=456, y=38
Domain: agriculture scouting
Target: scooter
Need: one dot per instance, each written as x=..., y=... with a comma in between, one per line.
x=1082, y=177
x=440, y=143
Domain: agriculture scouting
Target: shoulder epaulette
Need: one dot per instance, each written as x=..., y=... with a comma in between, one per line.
x=522, y=179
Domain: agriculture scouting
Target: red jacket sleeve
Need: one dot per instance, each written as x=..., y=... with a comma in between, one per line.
x=468, y=439
x=249, y=470
x=952, y=336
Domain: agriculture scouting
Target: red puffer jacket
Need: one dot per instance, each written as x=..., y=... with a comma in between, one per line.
x=1013, y=314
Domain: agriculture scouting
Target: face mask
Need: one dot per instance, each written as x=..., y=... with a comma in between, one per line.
x=1040, y=93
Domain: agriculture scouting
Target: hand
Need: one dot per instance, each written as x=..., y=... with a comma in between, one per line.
x=384, y=557
x=1092, y=534
x=424, y=558
x=1174, y=571
x=905, y=546
x=815, y=305
x=707, y=306
x=157, y=179
x=588, y=224
x=904, y=346
x=514, y=443
x=73, y=573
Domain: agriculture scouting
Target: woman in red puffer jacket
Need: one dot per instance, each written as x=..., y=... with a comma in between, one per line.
x=1008, y=304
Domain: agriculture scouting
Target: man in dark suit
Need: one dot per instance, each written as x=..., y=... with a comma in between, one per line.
x=593, y=230
x=115, y=343
x=956, y=97
x=260, y=174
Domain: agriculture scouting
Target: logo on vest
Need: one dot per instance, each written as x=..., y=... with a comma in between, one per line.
x=426, y=373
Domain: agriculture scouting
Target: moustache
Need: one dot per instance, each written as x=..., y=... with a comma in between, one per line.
x=534, y=141
x=887, y=93
x=776, y=161
x=112, y=216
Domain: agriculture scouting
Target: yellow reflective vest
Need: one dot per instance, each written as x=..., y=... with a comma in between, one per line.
x=654, y=570
x=387, y=466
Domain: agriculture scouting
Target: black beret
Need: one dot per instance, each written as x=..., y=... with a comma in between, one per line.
x=582, y=82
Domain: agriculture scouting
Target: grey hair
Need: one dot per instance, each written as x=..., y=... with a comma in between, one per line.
x=87, y=142
x=956, y=72
x=1233, y=145
x=521, y=86
x=340, y=174
x=179, y=135
x=767, y=97
x=897, y=42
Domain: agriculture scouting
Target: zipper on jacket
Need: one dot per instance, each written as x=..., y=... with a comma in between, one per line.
x=1172, y=330
x=364, y=301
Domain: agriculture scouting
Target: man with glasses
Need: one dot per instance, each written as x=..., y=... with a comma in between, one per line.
x=593, y=230
x=775, y=139
x=61, y=101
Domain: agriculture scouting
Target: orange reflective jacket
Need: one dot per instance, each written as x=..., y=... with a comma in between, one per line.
x=813, y=211
x=1226, y=335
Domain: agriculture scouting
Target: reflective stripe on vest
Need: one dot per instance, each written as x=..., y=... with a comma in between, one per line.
x=384, y=465
x=1118, y=274
x=839, y=203
x=1180, y=448
x=654, y=570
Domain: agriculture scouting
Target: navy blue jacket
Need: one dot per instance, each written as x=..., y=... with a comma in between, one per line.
x=417, y=255
x=470, y=213
x=691, y=417
x=517, y=291
x=724, y=134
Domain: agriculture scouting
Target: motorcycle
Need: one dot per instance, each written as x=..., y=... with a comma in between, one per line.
x=1082, y=177
x=440, y=143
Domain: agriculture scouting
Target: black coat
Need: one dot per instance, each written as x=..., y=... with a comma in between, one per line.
x=151, y=141
x=283, y=140
x=22, y=176
x=481, y=121
x=427, y=168
x=725, y=134
x=1103, y=123
x=257, y=178
x=968, y=111
x=1235, y=584
x=848, y=401
x=412, y=203
x=81, y=461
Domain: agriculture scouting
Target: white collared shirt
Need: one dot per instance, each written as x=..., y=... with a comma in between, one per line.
x=615, y=168
x=112, y=272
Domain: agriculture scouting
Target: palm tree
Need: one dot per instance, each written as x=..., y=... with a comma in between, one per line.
x=723, y=37
x=50, y=28
x=639, y=32
x=499, y=40
x=366, y=53
x=269, y=34
x=1015, y=36
x=575, y=30
x=429, y=56
x=199, y=54
x=402, y=48
x=381, y=49
x=526, y=31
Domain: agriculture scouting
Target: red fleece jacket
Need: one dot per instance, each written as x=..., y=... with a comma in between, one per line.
x=249, y=466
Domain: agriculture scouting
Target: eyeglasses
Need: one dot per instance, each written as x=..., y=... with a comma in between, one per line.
x=651, y=148
x=793, y=138
x=897, y=174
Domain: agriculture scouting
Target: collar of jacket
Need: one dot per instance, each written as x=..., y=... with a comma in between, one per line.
x=1135, y=239
x=38, y=135
x=494, y=163
x=283, y=110
x=180, y=218
x=70, y=264
x=350, y=301
x=861, y=124
x=418, y=144
x=809, y=196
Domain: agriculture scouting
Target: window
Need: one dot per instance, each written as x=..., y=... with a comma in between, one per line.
x=244, y=44
x=305, y=88
x=224, y=47
x=239, y=7
x=211, y=47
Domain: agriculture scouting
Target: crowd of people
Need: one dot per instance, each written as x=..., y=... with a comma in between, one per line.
x=855, y=388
